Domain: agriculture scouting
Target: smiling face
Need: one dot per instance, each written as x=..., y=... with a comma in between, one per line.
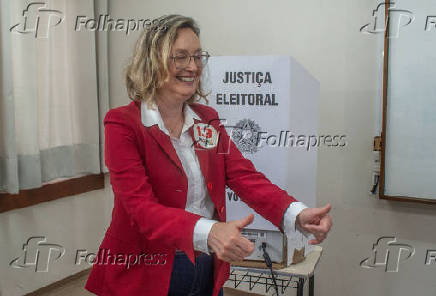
x=182, y=83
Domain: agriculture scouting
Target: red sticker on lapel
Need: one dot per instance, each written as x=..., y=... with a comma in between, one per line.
x=205, y=135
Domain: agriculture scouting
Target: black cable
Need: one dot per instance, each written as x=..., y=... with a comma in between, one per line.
x=268, y=263
x=374, y=187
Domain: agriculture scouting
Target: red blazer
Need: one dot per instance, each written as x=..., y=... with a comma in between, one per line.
x=149, y=221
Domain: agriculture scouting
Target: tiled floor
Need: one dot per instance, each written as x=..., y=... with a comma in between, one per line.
x=75, y=287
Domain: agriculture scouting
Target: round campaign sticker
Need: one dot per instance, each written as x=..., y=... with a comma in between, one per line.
x=205, y=135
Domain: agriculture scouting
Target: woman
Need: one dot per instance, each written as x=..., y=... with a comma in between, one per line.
x=169, y=161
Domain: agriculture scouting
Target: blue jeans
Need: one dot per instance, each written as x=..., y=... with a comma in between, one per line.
x=190, y=280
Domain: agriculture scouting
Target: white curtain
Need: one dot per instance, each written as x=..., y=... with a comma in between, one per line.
x=53, y=92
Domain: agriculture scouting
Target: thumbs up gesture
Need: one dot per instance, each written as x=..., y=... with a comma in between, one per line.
x=227, y=242
x=316, y=221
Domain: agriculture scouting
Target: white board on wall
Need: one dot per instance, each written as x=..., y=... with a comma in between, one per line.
x=276, y=96
x=410, y=152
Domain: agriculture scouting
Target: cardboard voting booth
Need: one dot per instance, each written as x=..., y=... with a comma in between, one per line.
x=269, y=106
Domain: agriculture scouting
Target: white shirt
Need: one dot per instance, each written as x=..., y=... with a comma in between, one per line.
x=198, y=200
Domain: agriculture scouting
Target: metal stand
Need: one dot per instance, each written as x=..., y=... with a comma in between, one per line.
x=300, y=287
x=292, y=277
x=263, y=279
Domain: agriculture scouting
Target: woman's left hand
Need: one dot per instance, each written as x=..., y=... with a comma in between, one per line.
x=316, y=221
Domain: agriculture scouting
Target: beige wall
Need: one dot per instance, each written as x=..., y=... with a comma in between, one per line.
x=75, y=223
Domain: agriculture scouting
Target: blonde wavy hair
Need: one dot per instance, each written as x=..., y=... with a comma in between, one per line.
x=148, y=68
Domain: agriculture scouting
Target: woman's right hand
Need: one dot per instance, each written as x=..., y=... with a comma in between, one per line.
x=226, y=240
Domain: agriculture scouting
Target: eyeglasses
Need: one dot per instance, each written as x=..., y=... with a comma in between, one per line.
x=181, y=61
